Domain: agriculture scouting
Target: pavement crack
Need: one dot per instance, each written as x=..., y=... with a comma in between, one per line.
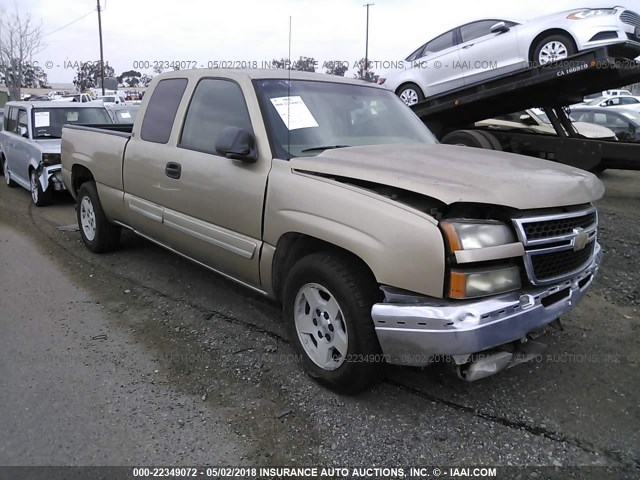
x=518, y=425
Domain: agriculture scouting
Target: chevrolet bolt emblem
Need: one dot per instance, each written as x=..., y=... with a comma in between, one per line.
x=580, y=240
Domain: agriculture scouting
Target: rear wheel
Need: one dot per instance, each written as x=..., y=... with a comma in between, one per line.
x=327, y=302
x=553, y=48
x=469, y=138
x=7, y=175
x=410, y=94
x=493, y=140
x=98, y=234
x=40, y=198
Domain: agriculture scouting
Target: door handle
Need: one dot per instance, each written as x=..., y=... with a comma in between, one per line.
x=468, y=46
x=173, y=170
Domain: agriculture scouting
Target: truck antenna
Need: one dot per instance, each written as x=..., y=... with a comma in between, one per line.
x=289, y=94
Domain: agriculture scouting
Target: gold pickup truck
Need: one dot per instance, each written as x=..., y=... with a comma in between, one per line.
x=330, y=195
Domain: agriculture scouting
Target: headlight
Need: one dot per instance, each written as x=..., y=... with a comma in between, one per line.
x=481, y=282
x=469, y=235
x=51, y=158
x=582, y=14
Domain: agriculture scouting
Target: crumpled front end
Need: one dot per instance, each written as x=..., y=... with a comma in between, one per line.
x=558, y=261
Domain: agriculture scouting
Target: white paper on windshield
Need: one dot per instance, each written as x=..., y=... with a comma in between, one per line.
x=42, y=119
x=294, y=112
x=72, y=116
x=125, y=115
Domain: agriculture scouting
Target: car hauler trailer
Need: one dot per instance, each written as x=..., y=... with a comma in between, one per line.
x=452, y=115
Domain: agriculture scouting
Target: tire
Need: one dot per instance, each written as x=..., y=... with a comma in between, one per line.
x=7, y=175
x=39, y=197
x=493, y=140
x=553, y=48
x=410, y=94
x=468, y=138
x=98, y=234
x=327, y=300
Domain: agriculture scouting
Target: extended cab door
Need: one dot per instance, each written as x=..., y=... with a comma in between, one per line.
x=211, y=206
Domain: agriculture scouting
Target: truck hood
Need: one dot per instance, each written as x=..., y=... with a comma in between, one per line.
x=460, y=174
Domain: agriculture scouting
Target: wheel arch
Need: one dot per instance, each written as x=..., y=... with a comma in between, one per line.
x=293, y=246
x=548, y=33
x=406, y=83
x=79, y=175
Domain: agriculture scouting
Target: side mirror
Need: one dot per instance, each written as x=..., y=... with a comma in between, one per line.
x=499, y=27
x=238, y=144
x=23, y=132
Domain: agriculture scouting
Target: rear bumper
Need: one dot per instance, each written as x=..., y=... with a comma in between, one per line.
x=411, y=334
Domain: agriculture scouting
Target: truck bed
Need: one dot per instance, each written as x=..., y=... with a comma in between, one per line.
x=98, y=147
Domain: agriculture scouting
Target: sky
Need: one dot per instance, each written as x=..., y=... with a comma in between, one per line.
x=140, y=33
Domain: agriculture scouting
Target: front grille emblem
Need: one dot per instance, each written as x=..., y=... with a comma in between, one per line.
x=580, y=240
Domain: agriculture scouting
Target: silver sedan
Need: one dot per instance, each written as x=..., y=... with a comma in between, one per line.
x=488, y=48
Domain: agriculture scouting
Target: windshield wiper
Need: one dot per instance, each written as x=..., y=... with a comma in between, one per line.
x=47, y=136
x=324, y=147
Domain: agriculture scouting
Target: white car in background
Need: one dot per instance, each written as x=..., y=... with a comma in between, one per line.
x=112, y=100
x=488, y=48
x=536, y=121
x=75, y=97
x=627, y=102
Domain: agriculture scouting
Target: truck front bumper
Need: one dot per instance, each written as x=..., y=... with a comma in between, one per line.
x=413, y=333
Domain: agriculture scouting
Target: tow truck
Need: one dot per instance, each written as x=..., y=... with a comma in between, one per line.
x=451, y=116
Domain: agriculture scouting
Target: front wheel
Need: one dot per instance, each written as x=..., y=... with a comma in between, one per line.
x=410, y=94
x=98, y=234
x=553, y=48
x=327, y=304
x=40, y=198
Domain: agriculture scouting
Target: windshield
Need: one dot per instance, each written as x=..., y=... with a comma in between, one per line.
x=306, y=117
x=48, y=122
x=125, y=115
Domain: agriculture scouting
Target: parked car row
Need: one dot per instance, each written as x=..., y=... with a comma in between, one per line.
x=31, y=135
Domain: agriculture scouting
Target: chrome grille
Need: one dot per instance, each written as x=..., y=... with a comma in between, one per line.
x=553, y=265
x=557, y=246
x=562, y=226
x=630, y=18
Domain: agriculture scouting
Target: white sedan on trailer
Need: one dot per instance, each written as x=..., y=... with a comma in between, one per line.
x=488, y=48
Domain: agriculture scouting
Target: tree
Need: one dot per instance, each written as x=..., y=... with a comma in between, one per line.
x=283, y=63
x=305, y=64
x=336, y=68
x=365, y=74
x=157, y=69
x=145, y=80
x=88, y=75
x=130, y=78
x=33, y=76
x=20, y=40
